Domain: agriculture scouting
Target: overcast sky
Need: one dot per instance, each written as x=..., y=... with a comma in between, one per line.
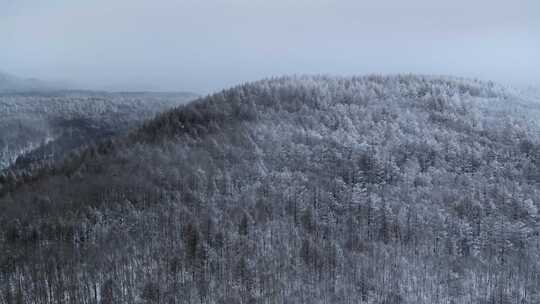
x=206, y=45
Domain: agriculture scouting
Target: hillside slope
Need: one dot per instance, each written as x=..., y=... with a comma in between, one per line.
x=38, y=127
x=398, y=189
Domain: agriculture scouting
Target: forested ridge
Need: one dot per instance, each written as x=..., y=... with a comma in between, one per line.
x=40, y=127
x=305, y=189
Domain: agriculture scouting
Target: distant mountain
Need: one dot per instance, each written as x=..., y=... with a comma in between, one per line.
x=374, y=189
x=10, y=83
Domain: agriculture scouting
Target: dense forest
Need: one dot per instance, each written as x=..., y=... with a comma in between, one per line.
x=374, y=189
x=40, y=127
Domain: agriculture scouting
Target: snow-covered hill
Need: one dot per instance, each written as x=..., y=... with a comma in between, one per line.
x=44, y=126
x=373, y=189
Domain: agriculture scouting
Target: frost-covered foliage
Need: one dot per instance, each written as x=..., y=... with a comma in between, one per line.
x=35, y=127
x=402, y=189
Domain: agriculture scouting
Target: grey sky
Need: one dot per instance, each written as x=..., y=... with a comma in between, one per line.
x=205, y=45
